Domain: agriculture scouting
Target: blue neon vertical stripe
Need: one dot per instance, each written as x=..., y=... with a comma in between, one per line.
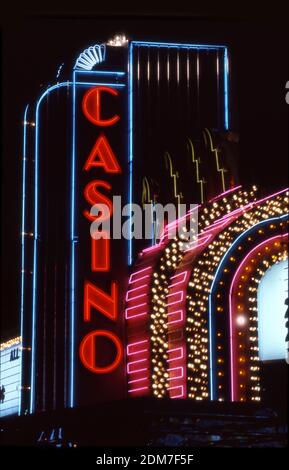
x=24, y=154
x=34, y=278
x=35, y=234
x=226, y=89
x=211, y=348
x=130, y=142
x=72, y=235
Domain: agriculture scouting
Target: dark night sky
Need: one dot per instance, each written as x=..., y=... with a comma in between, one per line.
x=34, y=47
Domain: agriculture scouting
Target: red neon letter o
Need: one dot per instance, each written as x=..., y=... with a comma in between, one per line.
x=87, y=356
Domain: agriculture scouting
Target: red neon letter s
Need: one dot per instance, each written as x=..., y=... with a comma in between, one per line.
x=100, y=254
x=106, y=157
x=93, y=196
x=88, y=356
x=91, y=105
x=99, y=300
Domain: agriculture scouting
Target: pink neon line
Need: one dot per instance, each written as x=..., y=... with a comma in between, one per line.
x=131, y=317
x=203, y=240
x=183, y=274
x=181, y=349
x=137, y=288
x=220, y=222
x=138, y=342
x=177, y=387
x=233, y=385
x=144, y=369
x=178, y=376
x=176, y=222
x=250, y=205
x=129, y=371
x=195, y=209
x=176, y=301
x=179, y=319
x=178, y=275
x=140, y=279
x=137, y=361
x=136, y=306
x=224, y=193
x=137, y=389
x=137, y=352
x=152, y=248
x=127, y=316
x=230, y=215
x=135, y=297
x=138, y=272
x=271, y=195
x=134, y=344
x=137, y=380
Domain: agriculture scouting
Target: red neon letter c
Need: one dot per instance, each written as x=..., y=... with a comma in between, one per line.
x=91, y=105
x=88, y=356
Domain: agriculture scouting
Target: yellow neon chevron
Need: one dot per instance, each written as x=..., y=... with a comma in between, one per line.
x=196, y=161
x=146, y=199
x=206, y=133
x=146, y=192
x=174, y=176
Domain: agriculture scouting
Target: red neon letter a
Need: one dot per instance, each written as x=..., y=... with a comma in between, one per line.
x=106, y=157
x=99, y=300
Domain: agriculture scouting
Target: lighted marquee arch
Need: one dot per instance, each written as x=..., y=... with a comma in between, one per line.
x=170, y=309
x=222, y=306
x=145, y=284
x=245, y=372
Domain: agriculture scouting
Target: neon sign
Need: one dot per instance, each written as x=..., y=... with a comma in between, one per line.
x=101, y=157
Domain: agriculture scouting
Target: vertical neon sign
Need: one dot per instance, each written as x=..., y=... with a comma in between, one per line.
x=92, y=130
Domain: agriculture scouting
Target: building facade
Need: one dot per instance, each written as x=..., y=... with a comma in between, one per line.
x=113, y=318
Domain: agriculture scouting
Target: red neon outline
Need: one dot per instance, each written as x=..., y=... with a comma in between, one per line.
x=94, y=197
x=100, y=254
x=100, y=301
x=107, y=158
x=87, y=100
x=91, y=351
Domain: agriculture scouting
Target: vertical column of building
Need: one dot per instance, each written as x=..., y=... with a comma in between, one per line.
x=27, y=242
